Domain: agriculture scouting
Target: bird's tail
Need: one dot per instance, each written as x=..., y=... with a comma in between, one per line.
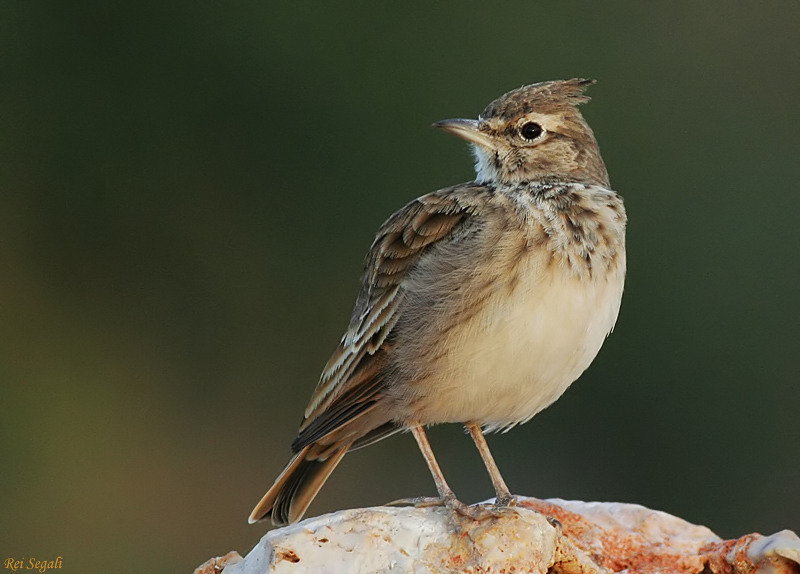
x=288, y=499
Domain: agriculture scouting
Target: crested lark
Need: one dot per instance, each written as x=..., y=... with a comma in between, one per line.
x=480, y=303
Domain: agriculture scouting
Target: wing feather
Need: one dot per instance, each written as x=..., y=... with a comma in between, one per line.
x=348, y=383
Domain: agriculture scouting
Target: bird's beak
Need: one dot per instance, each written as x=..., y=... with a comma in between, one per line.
x=466, y=129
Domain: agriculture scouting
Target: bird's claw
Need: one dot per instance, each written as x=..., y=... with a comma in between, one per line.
x=419, y=502
x=506, y=501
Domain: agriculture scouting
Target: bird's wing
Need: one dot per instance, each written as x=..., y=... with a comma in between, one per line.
x=351, y=381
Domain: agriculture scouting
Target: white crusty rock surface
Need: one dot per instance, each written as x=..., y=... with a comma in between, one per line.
x=537, y=536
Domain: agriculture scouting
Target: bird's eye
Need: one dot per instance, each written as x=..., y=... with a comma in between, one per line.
x=530, y=131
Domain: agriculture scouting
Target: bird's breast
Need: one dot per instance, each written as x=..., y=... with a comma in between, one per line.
x=524, y=348
x=507, y=329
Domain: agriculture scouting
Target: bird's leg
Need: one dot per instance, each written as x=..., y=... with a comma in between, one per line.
x=446, y=495
x=445, y=492
x=504, y=496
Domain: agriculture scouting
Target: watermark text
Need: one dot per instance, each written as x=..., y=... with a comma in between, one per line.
x=32, y=564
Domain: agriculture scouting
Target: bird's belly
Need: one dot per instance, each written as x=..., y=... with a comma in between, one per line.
x=523, y=350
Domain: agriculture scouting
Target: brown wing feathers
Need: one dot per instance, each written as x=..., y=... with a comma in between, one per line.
x=353, y=379
x=397, y=246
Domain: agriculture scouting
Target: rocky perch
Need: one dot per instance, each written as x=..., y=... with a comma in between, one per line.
x=537, y=536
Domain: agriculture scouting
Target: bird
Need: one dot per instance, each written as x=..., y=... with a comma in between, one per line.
x=479, y=303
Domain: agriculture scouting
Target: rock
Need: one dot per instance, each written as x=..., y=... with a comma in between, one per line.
x=535, y=536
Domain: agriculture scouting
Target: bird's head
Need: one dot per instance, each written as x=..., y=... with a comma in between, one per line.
x=534, y=133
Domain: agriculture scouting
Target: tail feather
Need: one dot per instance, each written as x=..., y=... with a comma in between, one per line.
x=291, y=494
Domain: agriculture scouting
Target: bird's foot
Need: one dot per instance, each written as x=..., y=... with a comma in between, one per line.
x=505, y=501
x=419, y=502
x=452, y=503
x=509, y=501
x=474, y=512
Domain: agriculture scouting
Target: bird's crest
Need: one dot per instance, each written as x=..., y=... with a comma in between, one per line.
x=544, y=97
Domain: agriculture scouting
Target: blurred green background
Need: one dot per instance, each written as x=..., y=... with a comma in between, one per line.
x=187, y=191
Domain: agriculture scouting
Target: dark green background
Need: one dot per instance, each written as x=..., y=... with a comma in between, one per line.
x=187, y=191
